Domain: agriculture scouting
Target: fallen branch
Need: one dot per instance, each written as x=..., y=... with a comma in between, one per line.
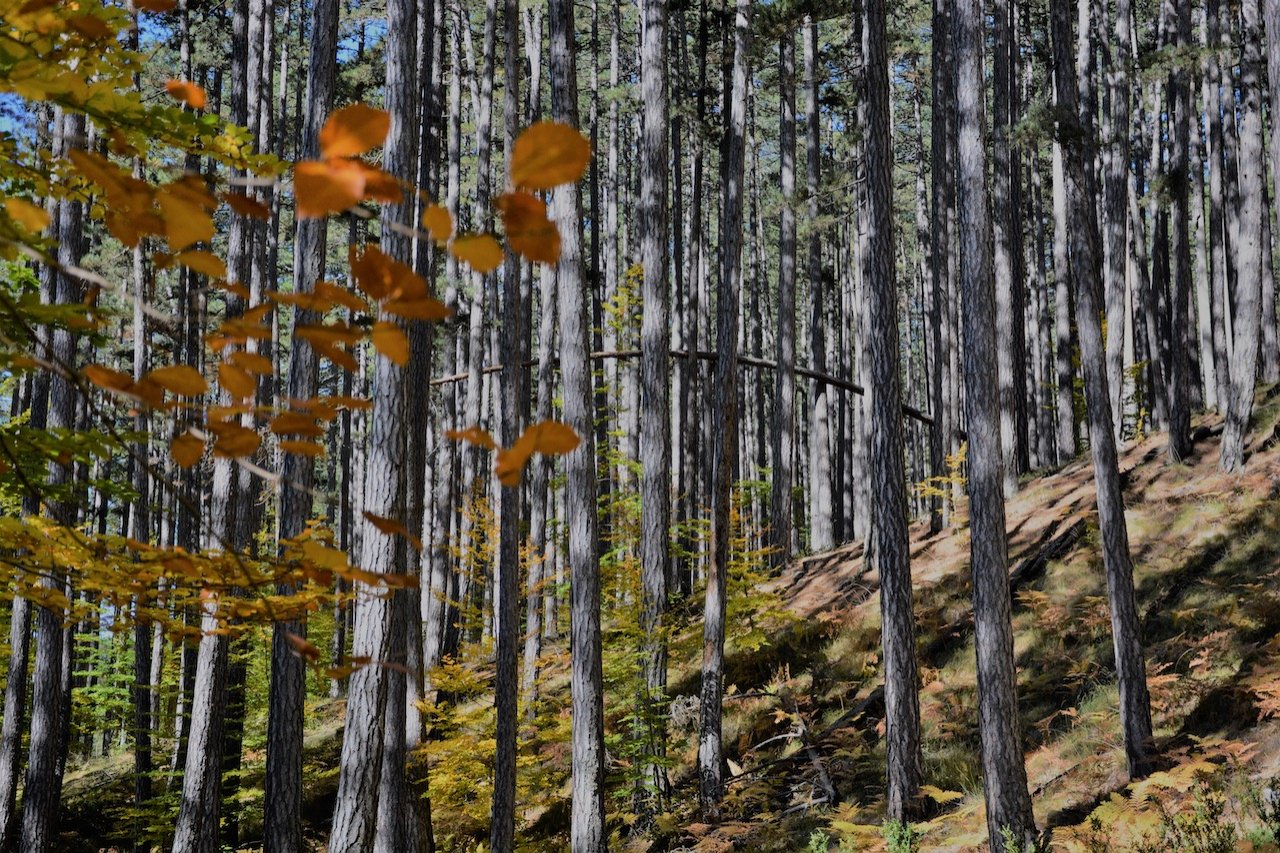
x=706, y=355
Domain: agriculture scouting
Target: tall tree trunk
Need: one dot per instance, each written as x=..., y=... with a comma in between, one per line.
x=1178, y=36
x=725, y=430
x=370, y=812
x=785, y=381
x=1116, y=211
x=655, y=391
x=506, y=604
x=942, y=203
x=140, y=524
x=1219, y=301
x=1270, y=355
x=282, y=803
x=891, y=552
x=1248, y=292
x=1062, y=286
x=1135, y=706
x=1005, y=222
x=46, y=745
x=821, y=534
x=1004, y=775
x=587, y=831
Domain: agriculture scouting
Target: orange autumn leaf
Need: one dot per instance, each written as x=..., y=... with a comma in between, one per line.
x=480, y=251
x=353, y=130
x=31, y=217
x=189, y=93
x=246, y=206
x=181, y=379
x=301, y=647
x=105, y=377
x=186, y=449
x=324, y=187
x=391, y=341
x=391, y=527
x=156, y=6
x=438, y=222
x=237, y=381
x=295, y=423
x=529, y=231
x=383, y=277
x=252, y=362
x=548, y=154
x=424, y=308
x=547, y=437
x=473, y=435
x=340, y=296
x=205, y=263
x=237, y=441
x=184, y=221
x=302, y=448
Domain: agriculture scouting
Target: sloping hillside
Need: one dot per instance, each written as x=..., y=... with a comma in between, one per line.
x=1206, y=549
x=803, y=711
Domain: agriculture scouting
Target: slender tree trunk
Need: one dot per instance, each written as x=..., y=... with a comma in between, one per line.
x=369, y=813
x=587, y=831
x=1005, y=222
x=1135, y=706
x=46, y=745
x=785, y=380
x=1062, y=286
x=282, y=819
x=1247, y=307
x=942, y=203
x=725, y=430
x=1270, y=354
x=891, y=552
x=1178, y=36
x=1116, y=211
x=1219, y=301
x=655, y=390
x=506, y=604
x=821, y=533
x=1004, y=776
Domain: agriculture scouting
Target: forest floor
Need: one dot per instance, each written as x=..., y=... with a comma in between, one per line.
x=1206, y=550
x=803, y=704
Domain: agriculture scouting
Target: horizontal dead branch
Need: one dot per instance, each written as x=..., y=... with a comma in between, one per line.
x=707, y=355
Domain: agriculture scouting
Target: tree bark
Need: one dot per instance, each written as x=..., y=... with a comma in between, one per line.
x=1135, y=705
x=1178, y=36
x=282, y=803
x=1004, y=775
x=821, y=533
x=587, y=831
x=891, y=553
x=784, y=379
x=1248, y=292
x=1062, y=286
x=370, y=811
x=725, y=429
x=1005, y=223
x=655, y=392
x=506, y=603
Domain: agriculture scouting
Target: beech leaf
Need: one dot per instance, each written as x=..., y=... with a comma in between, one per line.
x=321, y=188
x=31, y=217
x=189, y=93
x=473, y=435
x=182, y=379
x=186, y=449
x=391, y=341
x=480, y=251
x=353, y=130
x=438, y=222
x=529, y=231
x=548, y=154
